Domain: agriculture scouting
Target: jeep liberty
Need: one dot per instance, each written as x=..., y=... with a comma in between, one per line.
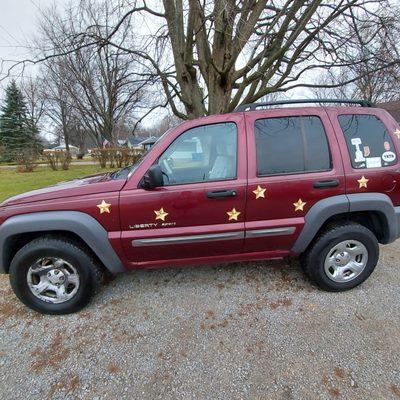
x=321, y=183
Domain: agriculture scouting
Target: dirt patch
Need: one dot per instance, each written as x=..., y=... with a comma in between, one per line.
x=280, y=303
x=113, y=367
x=339, y=373
x=11, y=309
x=67, y=385
x=395, y=390
x=51, y=356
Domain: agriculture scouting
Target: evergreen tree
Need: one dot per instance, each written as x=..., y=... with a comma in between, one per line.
x=17, y=132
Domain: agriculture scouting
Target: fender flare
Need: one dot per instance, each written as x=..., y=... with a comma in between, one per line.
x=324, y=209
x=79, y=223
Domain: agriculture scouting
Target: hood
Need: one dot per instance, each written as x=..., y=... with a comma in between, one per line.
x=78, y=187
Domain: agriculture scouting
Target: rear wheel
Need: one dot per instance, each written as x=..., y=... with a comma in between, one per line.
x=54, y=276
x=342, y=257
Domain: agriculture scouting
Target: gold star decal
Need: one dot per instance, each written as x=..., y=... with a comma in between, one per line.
x=397, y=133
x=233, y=215
x=104, y=207
x=362, y=182
x=160, y=214
x=259, y=192
x=299, y=206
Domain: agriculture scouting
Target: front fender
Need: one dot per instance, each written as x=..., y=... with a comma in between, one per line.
x=81, y=224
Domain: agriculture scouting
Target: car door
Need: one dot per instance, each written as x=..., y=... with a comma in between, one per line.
x=294, y=162
x=200, y=210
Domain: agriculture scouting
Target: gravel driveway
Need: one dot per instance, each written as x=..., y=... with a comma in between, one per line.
x=257, y=330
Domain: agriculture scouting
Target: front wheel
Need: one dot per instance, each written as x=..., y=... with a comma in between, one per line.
x=342, y=257
x=54, y=276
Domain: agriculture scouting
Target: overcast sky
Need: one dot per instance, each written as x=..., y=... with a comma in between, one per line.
x=18, y=22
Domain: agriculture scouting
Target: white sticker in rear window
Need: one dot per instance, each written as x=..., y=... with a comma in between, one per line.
x=388, y=156
x=374, y=162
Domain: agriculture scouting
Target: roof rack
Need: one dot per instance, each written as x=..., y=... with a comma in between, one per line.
x=254, y=106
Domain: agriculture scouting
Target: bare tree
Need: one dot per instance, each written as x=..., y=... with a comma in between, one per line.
x=59, y=104
x=34, y=100
x=209, y=56
x=377, y=82
x=98, y=84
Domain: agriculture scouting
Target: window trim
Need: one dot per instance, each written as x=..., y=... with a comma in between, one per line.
x=259, y=175
x=347, y=147
x=208, y=181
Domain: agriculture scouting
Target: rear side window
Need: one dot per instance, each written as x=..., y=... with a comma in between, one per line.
x=291, y=145
x=368, y=141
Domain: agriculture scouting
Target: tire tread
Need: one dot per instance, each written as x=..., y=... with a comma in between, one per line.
x=332, y=230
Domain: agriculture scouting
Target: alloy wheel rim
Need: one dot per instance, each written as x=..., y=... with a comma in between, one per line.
x=53, y=280
x=346, y=261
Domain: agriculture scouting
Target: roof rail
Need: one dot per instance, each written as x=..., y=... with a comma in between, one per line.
x=254, y=106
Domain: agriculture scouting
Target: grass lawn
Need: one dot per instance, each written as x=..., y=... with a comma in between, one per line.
x=12, y=182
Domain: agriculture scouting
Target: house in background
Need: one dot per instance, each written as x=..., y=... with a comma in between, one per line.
x=133, y=142
x=393, y=107
x=140, y=142
x=148, y=143
x=72, y=149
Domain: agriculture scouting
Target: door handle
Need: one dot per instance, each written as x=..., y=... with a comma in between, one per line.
x=215, y=194
x=326, y=184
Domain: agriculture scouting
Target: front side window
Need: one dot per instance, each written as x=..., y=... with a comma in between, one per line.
x=291, y=145
x=201, y=154
x=368, y=141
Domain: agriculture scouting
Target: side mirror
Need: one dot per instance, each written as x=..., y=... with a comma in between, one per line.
x=153, y=178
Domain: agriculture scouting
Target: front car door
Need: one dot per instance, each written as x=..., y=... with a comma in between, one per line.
x=199, y=212
x=294, y=161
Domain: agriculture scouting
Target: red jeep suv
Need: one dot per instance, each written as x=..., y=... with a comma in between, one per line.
x=321, y=183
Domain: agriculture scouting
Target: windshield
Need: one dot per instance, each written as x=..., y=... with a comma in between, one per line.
x=125, y=172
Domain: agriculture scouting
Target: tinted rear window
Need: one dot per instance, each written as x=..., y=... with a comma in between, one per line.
x=291, y=145
x=368, y=141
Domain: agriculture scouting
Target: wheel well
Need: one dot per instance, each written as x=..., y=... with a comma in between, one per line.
x=15, y=243
x=372, y=220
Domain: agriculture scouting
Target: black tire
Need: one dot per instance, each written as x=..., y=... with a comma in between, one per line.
x=314, y=259
x=90, y=274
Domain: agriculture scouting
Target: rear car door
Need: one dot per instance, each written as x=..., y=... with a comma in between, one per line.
x=293, y=162
x=200, y=210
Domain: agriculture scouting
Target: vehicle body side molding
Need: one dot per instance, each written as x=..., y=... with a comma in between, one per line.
x=324, y=209
x=79, y=223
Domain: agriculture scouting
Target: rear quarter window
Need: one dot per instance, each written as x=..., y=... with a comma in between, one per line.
x=368, y=141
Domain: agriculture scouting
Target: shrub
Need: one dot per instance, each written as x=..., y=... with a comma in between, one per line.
x=100, y=155
x=26, y=160
x=66, y=161
x=55, y=159
x=116, y=157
